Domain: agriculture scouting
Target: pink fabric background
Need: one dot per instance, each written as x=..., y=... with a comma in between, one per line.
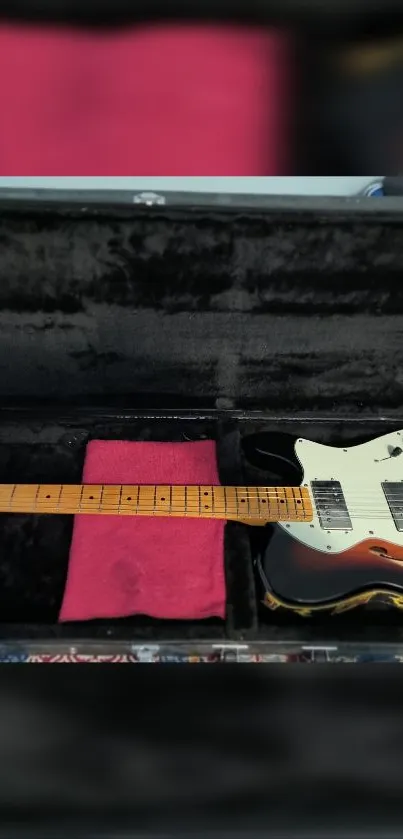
x=164, y=568
x=149, y=100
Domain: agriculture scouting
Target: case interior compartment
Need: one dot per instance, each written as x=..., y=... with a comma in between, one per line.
x=171, y=325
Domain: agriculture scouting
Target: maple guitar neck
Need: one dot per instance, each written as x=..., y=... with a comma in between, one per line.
x=256, y=505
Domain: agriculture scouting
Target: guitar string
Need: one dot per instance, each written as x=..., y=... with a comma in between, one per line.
x=224, y=514
x=355, y=509
x=251, y=492
x=181, y=487
x=235, y=511
x=299, y=498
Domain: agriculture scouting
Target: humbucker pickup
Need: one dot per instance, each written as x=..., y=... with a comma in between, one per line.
x=393, y=492
x=330, y=505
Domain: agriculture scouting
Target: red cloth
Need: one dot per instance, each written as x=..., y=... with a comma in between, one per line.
x=149, y=100
x=164, y=568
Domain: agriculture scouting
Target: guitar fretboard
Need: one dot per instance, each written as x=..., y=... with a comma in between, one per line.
x=238, y=503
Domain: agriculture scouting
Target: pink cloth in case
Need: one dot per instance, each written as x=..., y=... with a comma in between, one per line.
x=160, y=567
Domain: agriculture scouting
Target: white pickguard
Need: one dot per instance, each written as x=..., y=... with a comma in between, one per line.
x=361, y=470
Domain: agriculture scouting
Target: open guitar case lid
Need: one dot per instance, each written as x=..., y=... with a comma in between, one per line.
x=179, y=317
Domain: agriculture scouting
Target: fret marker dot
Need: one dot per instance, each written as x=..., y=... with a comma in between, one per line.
x=263, y=501
x=298, y=502
x=91, y=497
x=162, y=499
x=129, y=498
x=206, y=493
x=206, y=506
x=282, y=501
x=48, y=496
x=242, y=500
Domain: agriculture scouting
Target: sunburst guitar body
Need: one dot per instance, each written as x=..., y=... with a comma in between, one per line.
x=352, y=549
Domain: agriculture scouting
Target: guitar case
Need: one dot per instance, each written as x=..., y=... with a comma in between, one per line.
x=282, y=318
x=280, y=321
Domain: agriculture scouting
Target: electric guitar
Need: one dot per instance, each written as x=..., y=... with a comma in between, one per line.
x=351, y=552
x=337, y=540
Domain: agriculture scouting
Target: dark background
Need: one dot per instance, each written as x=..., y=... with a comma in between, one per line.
x=228, y=750
x=337, y=123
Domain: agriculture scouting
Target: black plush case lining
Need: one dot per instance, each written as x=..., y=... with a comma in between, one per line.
x=173, y=324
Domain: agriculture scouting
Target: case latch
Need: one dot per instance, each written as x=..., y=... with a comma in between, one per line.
x=149, y=199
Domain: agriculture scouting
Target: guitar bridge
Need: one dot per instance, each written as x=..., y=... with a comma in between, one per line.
x=330, y=505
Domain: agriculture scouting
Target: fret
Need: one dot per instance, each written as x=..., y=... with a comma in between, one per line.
x=46, y=498
x=178, y=506
x=282, y=502
x=193, y=501
x=100, y=498
x=12, y=493
x=200, y=501
x=294, y=500
x=243, y=501
x=278, y=501
x=218, y=502
x=6, y=495
x=81, y=497
x=155, y=499
x=236, y=501
x=225, y=501
x=231, y=504
x=127, y=498
x=131, y=500
x=206, y=500
x=262, y=499
x=120, y=498
x=146, y=504
x=22, y=498
x=111, y=496
x=147, y=500
x=301, y=507
x=290, y=502
x=186, y=499
x=90, y=498
x=163, y=500
x=68, y=499
x=253, y=501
